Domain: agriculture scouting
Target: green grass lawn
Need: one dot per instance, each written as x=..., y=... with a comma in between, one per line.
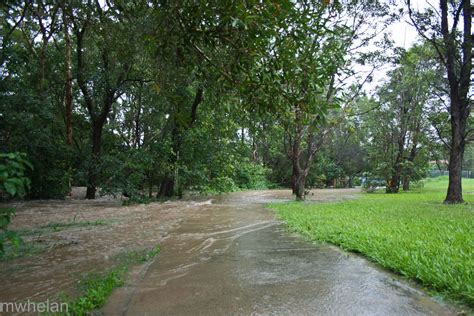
x=411, y=233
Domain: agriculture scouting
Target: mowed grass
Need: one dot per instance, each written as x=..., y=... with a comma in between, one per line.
x=413, y=233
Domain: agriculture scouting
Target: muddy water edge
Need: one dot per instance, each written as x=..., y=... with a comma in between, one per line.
x=220, y=255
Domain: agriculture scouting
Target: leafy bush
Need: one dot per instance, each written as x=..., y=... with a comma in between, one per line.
x=222, y=184
x=51, y=175
x=13, y=183
x=13, y=180
x=356, y=181
x=251, y=176
x=125, y=173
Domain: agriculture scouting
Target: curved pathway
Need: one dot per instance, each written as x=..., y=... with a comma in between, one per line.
x=232, y=256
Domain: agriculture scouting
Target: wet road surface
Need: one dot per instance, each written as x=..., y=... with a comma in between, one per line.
x=232, y=256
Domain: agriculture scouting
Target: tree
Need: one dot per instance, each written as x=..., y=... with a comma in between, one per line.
x=103, y=69
x=451, y=36
x=302, y=59
x=399, y=123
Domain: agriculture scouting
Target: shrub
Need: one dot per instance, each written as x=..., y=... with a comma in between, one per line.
x=13, y=183
x=251, y=176
x=222, y=184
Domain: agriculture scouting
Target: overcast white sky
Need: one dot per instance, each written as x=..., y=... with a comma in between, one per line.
x=404, y=35
x=402, y=32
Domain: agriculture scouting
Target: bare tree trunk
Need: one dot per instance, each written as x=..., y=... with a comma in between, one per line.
x=349, y=182
x=294, y=177
x=137, y=118
x=454, y=194
x=68, y=92
x=300, y=186
x=393, y=185
x=68, y=88
x=93, y=168
x=166, y=187
x=406, y=183
x=150, y=184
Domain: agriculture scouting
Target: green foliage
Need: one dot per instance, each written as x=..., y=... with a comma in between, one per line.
x=220, y=185
x=51, y=175
x=411, y=233
x=96, y=290
x=125, y=173
x=13, y=183
x=13, y=179
x=251, y=176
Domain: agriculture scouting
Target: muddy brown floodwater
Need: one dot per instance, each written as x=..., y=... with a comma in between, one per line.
x=221, y=255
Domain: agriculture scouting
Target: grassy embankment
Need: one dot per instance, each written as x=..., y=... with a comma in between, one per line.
x=410, y=233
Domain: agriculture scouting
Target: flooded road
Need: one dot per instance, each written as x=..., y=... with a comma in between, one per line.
x=230, y=255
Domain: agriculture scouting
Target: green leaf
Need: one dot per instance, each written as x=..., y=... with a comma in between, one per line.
x=10, y=187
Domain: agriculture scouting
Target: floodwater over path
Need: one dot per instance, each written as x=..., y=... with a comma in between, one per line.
x=230, y=255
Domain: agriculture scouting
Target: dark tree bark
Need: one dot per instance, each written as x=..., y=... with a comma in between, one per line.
x=298, y=176
x=302, y=158
x=350, y=182
x=137, y=119
x=393, y=184
x=68, y=90
x=406, y=183
x=68, y=73
x=96, y=148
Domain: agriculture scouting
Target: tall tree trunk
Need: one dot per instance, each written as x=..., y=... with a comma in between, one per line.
x=166, y=187
x=393, y=185
x=458, y=127
x=168, y=183
x=68, y=92
x=349, y=182
x=68, y=86
x=300, y=186
x=406, y=183
x=294, y=177
x=409, y=171
x=137, y=118
x=93, y=168
x=150, y=184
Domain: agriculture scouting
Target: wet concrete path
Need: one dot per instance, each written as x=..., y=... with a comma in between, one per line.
x=232, y=256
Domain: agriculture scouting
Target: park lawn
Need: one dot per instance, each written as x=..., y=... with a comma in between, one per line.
x=413, y=233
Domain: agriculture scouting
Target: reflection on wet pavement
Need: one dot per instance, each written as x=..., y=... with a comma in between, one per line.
x=231, y=256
